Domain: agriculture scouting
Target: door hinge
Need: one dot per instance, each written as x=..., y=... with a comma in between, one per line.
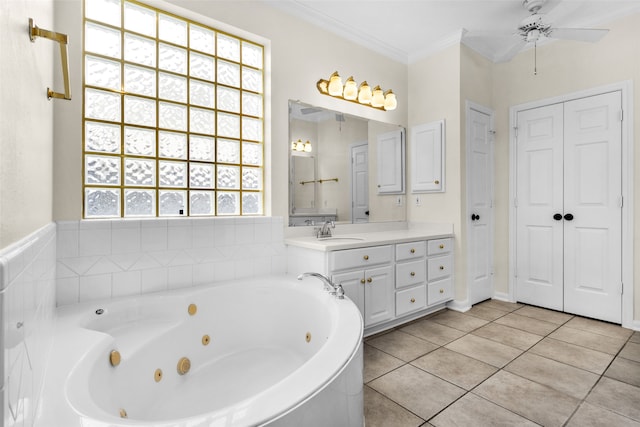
x=620, y=201
x=515, y=202
x=622, y=288
x=621, y=115
x=515, y=129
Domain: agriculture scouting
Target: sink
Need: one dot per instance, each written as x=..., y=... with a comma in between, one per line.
x=338, y=239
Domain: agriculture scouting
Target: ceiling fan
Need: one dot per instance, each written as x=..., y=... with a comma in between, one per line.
x=534, y=28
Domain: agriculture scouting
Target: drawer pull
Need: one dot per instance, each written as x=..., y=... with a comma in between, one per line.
x=442, y=267
x=366, y=257
x=441, y=246
x=413, y=273
x=362, y=281
x=442, y=291
x=369, y=280
x=413, y=300
x=413, y=251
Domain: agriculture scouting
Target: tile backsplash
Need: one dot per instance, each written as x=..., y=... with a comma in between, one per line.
x=113, y=258
x=27, y=301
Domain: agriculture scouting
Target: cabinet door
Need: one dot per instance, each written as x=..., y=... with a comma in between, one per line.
x=353, y=284
x=378, y=295
x=391, y=162
x=427, y=157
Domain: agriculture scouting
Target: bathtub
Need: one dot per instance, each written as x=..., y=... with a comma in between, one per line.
x=277, y=352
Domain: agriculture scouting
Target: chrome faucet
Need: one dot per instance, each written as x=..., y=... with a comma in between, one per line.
x=325, y=230
x=333, y=289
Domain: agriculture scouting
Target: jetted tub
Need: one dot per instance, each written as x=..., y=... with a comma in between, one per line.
x=277, y=352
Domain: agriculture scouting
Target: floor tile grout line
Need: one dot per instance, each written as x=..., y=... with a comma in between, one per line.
x=522, y=352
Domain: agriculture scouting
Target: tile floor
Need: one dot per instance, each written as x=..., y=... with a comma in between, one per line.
x=503, y=364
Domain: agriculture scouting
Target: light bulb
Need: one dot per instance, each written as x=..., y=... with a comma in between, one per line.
x=323, y=86
x=378, y=97
x=293, y=145
x=335, y=85
x=307, y=147
x=390, y=102
x=350, y=89
x=364, y=93
x=299, y=145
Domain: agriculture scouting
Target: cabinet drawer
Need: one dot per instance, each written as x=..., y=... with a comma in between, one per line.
x=409, y=300
x=439, y=246
x=439, y=291
x=360, y=258
x=411, y=250
x=411, y=273
x=439, y=267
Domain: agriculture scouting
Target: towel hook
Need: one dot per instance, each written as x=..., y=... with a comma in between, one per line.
x=62, y=40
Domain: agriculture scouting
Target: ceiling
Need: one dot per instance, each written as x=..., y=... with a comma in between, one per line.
x=408, y=30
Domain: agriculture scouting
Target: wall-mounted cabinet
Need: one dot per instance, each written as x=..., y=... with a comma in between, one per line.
x=391, y=162
x=428, y=157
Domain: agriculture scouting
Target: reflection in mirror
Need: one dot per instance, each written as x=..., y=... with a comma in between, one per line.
x=338, y=179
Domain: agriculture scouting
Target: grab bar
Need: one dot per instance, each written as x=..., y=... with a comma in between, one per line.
x=62, y=39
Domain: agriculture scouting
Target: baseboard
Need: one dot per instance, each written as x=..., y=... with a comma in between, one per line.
x=502, y=296
x=457, y=305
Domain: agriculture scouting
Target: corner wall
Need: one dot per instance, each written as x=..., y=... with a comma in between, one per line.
x=563, y=67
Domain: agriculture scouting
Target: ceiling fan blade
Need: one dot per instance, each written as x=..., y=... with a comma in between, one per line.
x=579, y=34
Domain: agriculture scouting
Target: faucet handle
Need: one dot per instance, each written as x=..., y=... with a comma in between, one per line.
x=339, y=291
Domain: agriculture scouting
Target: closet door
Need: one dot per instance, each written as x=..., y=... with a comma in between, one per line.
x=592, y=207
x=539, y=201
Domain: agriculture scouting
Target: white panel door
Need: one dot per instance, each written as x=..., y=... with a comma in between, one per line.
x=480, y=205
x=391, y=162
x=379, y=295
x=592, y=207
x=360, y=183
x=539, y=196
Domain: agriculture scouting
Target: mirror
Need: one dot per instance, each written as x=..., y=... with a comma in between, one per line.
x=334, y=171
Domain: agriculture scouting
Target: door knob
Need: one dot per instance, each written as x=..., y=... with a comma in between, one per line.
x=475, y=217
x=568, y=217
x=557, y=217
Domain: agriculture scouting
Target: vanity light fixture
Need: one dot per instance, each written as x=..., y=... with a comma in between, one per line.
x=301, y=146
x=376, y=98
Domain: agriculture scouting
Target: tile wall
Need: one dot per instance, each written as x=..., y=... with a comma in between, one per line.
x=27, y=302
x=114, y=258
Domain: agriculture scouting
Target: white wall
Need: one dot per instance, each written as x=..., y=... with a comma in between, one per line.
x=563, y=67
x=26, y=119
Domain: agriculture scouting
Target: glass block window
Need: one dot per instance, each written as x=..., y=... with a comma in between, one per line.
x=173, y=119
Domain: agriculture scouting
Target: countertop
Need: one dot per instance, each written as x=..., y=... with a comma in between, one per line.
x=359, y=240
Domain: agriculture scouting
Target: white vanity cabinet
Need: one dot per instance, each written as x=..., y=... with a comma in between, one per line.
x=439, y=271
x=366, y=274
x=392, y=277
x=411, y=277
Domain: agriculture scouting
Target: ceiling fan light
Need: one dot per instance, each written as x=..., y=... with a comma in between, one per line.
x=335, y=85
x=378, y=97
x=350, y=89
x=390, y=101
x=533, y=36
x=364, y=93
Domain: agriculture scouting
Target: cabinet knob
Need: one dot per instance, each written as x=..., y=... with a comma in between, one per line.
x=413, y=251
x=366, y=257
x=362, y=281
x=441, y=246
x=442, y=267
x=442, y=291
x=436, y=182
x=369, y=280
x=413, y=300
x=413, y=273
